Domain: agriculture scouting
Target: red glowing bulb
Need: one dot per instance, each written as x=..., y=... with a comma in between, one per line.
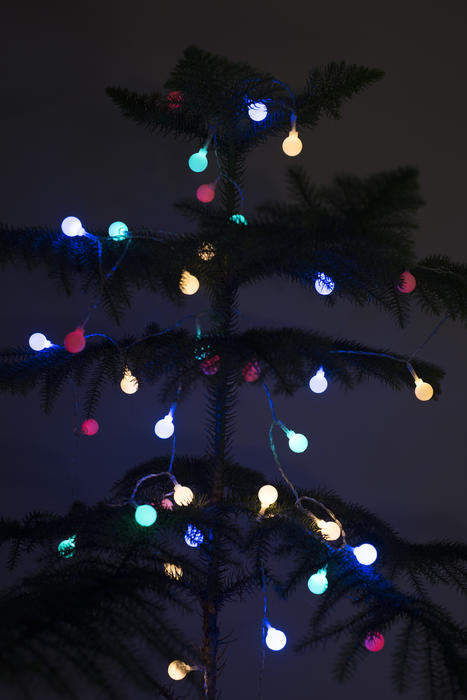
x=407, y=283
x=374, y=641
x=210, y=365
x=251, y=372
x=175, y=99
x=90, y=427
x=206, y=193
x=75, y=341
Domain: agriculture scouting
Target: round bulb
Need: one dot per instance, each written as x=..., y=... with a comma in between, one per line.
x=206, y=251
x=66, y=548
x=374, y=641
x=206, y=193
x=38, y=342
x=267, y=495
x=75, y=341
x=129, y=383
x=257, y=111
x=318, y=383
x=324, y=284
x=118, y=231
x=292, y=145
x=90, y=427
x=423, y=390
x=193, y=536
x=407, y=283
x=189, y=284
x=238, y=219
x=174, y=99
x=164, y=427
x=210, y=365
x=297, y=442
x=198, y=161
x=251, y=372
x=177, y=670
x=183, y=496
x=275, y=639
x=318, y=583
x=71, y=226
x=145, y=515
x=366, y=554
x=173, y=571
x=329, y=530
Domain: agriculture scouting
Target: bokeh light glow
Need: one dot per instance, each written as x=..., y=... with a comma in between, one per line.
x=297, y=442
x=324, y=284
x=145, y=515
x=366, y=554
x=38, y=342
x=257, y=111
x=164, y=427
x=318, y=383
x=275, y=639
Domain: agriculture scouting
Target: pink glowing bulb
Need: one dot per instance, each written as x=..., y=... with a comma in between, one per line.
x=175, y=99
x=374, y=641
x=167, y=504
x=251, y=372
x=75, y=341
x=206, y=193
x=407, y=283
x=210, y=365
x=90, y=427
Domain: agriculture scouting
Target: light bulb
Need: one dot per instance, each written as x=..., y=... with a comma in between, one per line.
x=329, y=530
x=267, y=495
x=71, y=226
x=118, y=231
x=206, y=251
x=366, y=554
x=75, y=341
x=206, y=193
x=318, y=583
x=292, y=145
x=189, y=284
x=164, y=427
x=129, y=383
x=174, y=99
x=210, y=365
x=66, y=548
x=38, y=342
x=145, y=515
x=374, y=641
x=90, y=427
x=238, y=219
x=275, y=639
x=251, y=372
x=177, y=670
x=257, y=111
x=297, y=442
x=407, y=283
x=173, y=571
x=198, y=161
x=193, y=536
x=183, y=495
x=324, y=284
x=318, y=383
x=423, y=390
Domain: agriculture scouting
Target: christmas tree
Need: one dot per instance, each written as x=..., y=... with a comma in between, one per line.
x=196, y=533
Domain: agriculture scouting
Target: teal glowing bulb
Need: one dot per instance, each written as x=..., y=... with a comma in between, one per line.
x=297, y=442
x=239, y=219
x=66, y=548
x=318, y=583
x=145, y=515
x=198, y=161
x=118, y=231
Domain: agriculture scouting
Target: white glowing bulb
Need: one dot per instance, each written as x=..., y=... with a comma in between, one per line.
x=275, y=639
x=129, y=383
x=297, y=442
x=189, y=284
x=183, y=495
x=267, y=496
x=318, y=582
x=366, y=554
x=164, y=427
x=72, y=226
x=292, y=145
x=423, y=390
x=318, y=383
x=177, y=670
x=324, y=284
x=257, y=111
x=173, y=571
x=38, y=342
x=329, y=530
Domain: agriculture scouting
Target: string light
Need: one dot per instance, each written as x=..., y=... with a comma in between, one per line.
x=193, y=536
x=366, y=554
x=72, y=226
x=210, y=365
x=251, y=372
x=275, y=639
x=183, y=495
x=198, y=162
x=423, y=390
x=189, y=284
x=318, y=383
x=374, y=641
x=267, y=496
x=238, y=219
x=257, y=111
x=206, y=251
x=38, y=342
x=318, y=582
x=297, y=442
x=164, y=428
x=292, y=145
x=89, y=427
x=324, y=284
x=145, y=515
x=173, y=571
x=330, y=530
x=66, y=548
x=407, y=283
x=118, y=231
x=129, y=383
x=206, y=193
x=178, y=670
x=175, y=99
x=75, y=341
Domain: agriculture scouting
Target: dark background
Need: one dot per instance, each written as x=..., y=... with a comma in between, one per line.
x=65, y=149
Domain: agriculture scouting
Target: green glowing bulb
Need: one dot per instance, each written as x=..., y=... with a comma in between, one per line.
x=145, y=515
x=66, y=548
x=239, y=219
x=318, y=583
x=297, y=441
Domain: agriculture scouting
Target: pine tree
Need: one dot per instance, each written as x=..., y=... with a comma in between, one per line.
x=102, y=605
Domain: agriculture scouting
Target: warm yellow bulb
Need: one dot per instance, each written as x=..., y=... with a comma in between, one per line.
x=178, y=670
x=423, y=390
x=206, y=251
x=183, y=496
x=292, y=145
x=129, y=383
x=329, y=530
x=173, y=571
x=189, y=284
x=267, y=495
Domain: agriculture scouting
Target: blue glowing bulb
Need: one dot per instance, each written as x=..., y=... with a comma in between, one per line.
x=198, y=161
x=275, y=639
x=66, y=548
x=71, y=226
x=257, y=111
x=366, y=554
x=118, y=231
x=193, y=536
x=38, y=341
x=145, y=515
x=318, y=583
x=297, y=442
x=324, y=284
x=239, y=219
x=318, y=383
x=164, y=427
